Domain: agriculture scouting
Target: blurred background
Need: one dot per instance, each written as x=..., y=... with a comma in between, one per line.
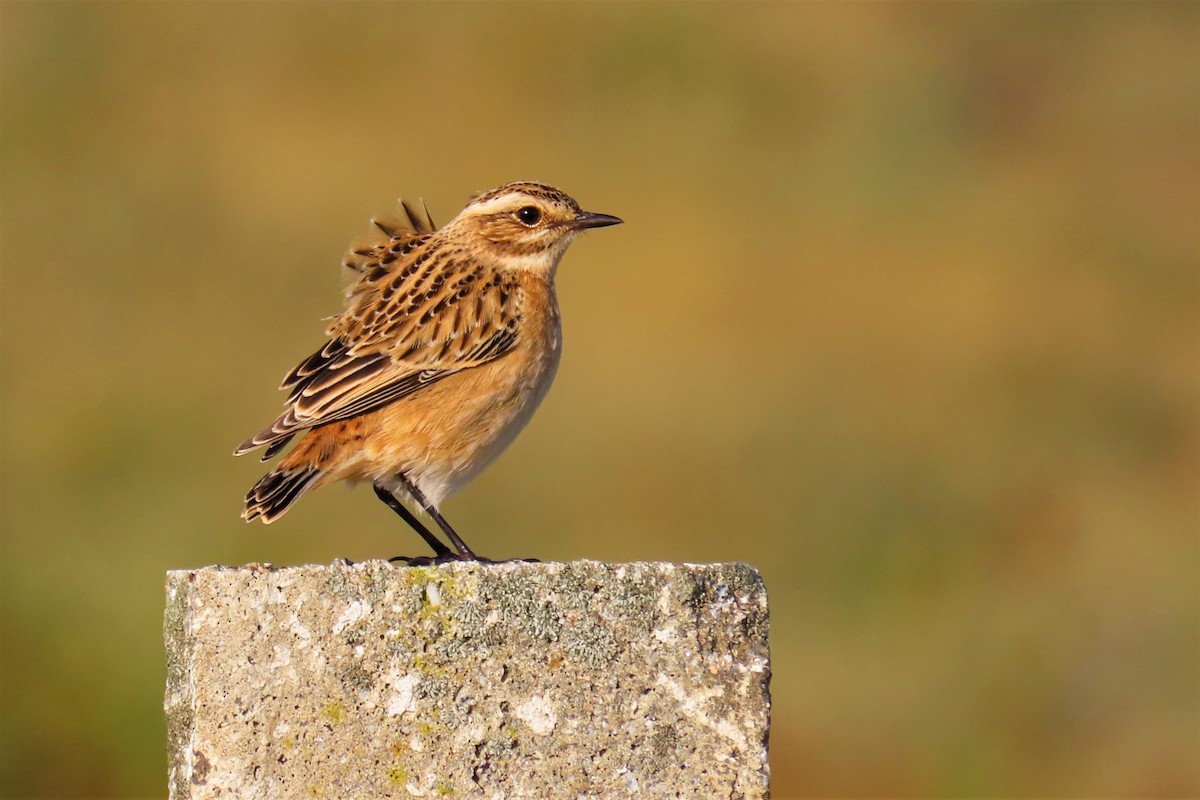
x=905, y=312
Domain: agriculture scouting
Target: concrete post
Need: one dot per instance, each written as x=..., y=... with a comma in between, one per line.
x=558, y=680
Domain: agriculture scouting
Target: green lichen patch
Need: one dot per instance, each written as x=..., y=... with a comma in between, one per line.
x=397, y=775
x=334, y=713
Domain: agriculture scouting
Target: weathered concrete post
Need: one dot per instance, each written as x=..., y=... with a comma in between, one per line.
x=559, y=680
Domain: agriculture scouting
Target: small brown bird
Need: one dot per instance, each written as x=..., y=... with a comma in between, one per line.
x=449, y=340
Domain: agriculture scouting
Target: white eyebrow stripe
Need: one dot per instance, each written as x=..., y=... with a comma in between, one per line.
x=502, y=203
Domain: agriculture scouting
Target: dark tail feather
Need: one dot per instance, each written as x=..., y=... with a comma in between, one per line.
x=275, y=447
x=278, y=489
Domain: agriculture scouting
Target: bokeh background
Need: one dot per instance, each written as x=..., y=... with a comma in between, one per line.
x=905, y=312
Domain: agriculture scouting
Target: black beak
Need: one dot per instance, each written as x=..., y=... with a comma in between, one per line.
x=587, y=219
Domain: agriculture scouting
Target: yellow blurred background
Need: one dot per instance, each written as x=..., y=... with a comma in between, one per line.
x=905, y=312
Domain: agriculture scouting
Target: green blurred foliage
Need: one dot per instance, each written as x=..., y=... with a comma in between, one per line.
x=905, y=312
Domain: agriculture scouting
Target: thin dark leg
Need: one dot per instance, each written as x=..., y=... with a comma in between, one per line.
x=464, y=552
x=440, y=550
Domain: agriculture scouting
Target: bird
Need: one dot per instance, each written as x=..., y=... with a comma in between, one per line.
x=448, y=342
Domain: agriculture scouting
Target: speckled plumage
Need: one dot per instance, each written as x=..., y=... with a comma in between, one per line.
x=449, y=340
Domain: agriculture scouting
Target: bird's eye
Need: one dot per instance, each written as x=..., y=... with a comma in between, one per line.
x=529, y=215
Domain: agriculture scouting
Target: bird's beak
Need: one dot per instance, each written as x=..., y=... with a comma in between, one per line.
x=586, y=219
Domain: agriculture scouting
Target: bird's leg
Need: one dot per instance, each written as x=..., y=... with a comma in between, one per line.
x=441, y=552
x=464, y=552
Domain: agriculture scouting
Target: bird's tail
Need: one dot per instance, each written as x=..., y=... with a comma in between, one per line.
x=317, y=459
x=275, y=493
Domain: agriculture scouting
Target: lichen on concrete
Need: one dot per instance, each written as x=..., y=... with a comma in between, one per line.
x=571, y=680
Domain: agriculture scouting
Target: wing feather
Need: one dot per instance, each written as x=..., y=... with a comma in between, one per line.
x=426, y=317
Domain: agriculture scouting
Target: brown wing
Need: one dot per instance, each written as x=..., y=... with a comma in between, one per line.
x=408, y=324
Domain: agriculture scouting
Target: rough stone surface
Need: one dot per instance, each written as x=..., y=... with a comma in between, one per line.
x=559, y=680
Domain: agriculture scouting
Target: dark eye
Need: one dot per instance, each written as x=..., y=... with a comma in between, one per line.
x=529, y=215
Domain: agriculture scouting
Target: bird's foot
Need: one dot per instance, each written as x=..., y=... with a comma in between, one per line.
x=482, y=560
x=425, y=561
x=452, y=558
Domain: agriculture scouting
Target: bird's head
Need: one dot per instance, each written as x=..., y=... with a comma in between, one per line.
x=523, y=225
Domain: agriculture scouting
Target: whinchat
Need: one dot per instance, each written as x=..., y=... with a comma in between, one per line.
x=448, y=342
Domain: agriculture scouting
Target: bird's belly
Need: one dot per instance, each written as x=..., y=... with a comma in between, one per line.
x=445, y=435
